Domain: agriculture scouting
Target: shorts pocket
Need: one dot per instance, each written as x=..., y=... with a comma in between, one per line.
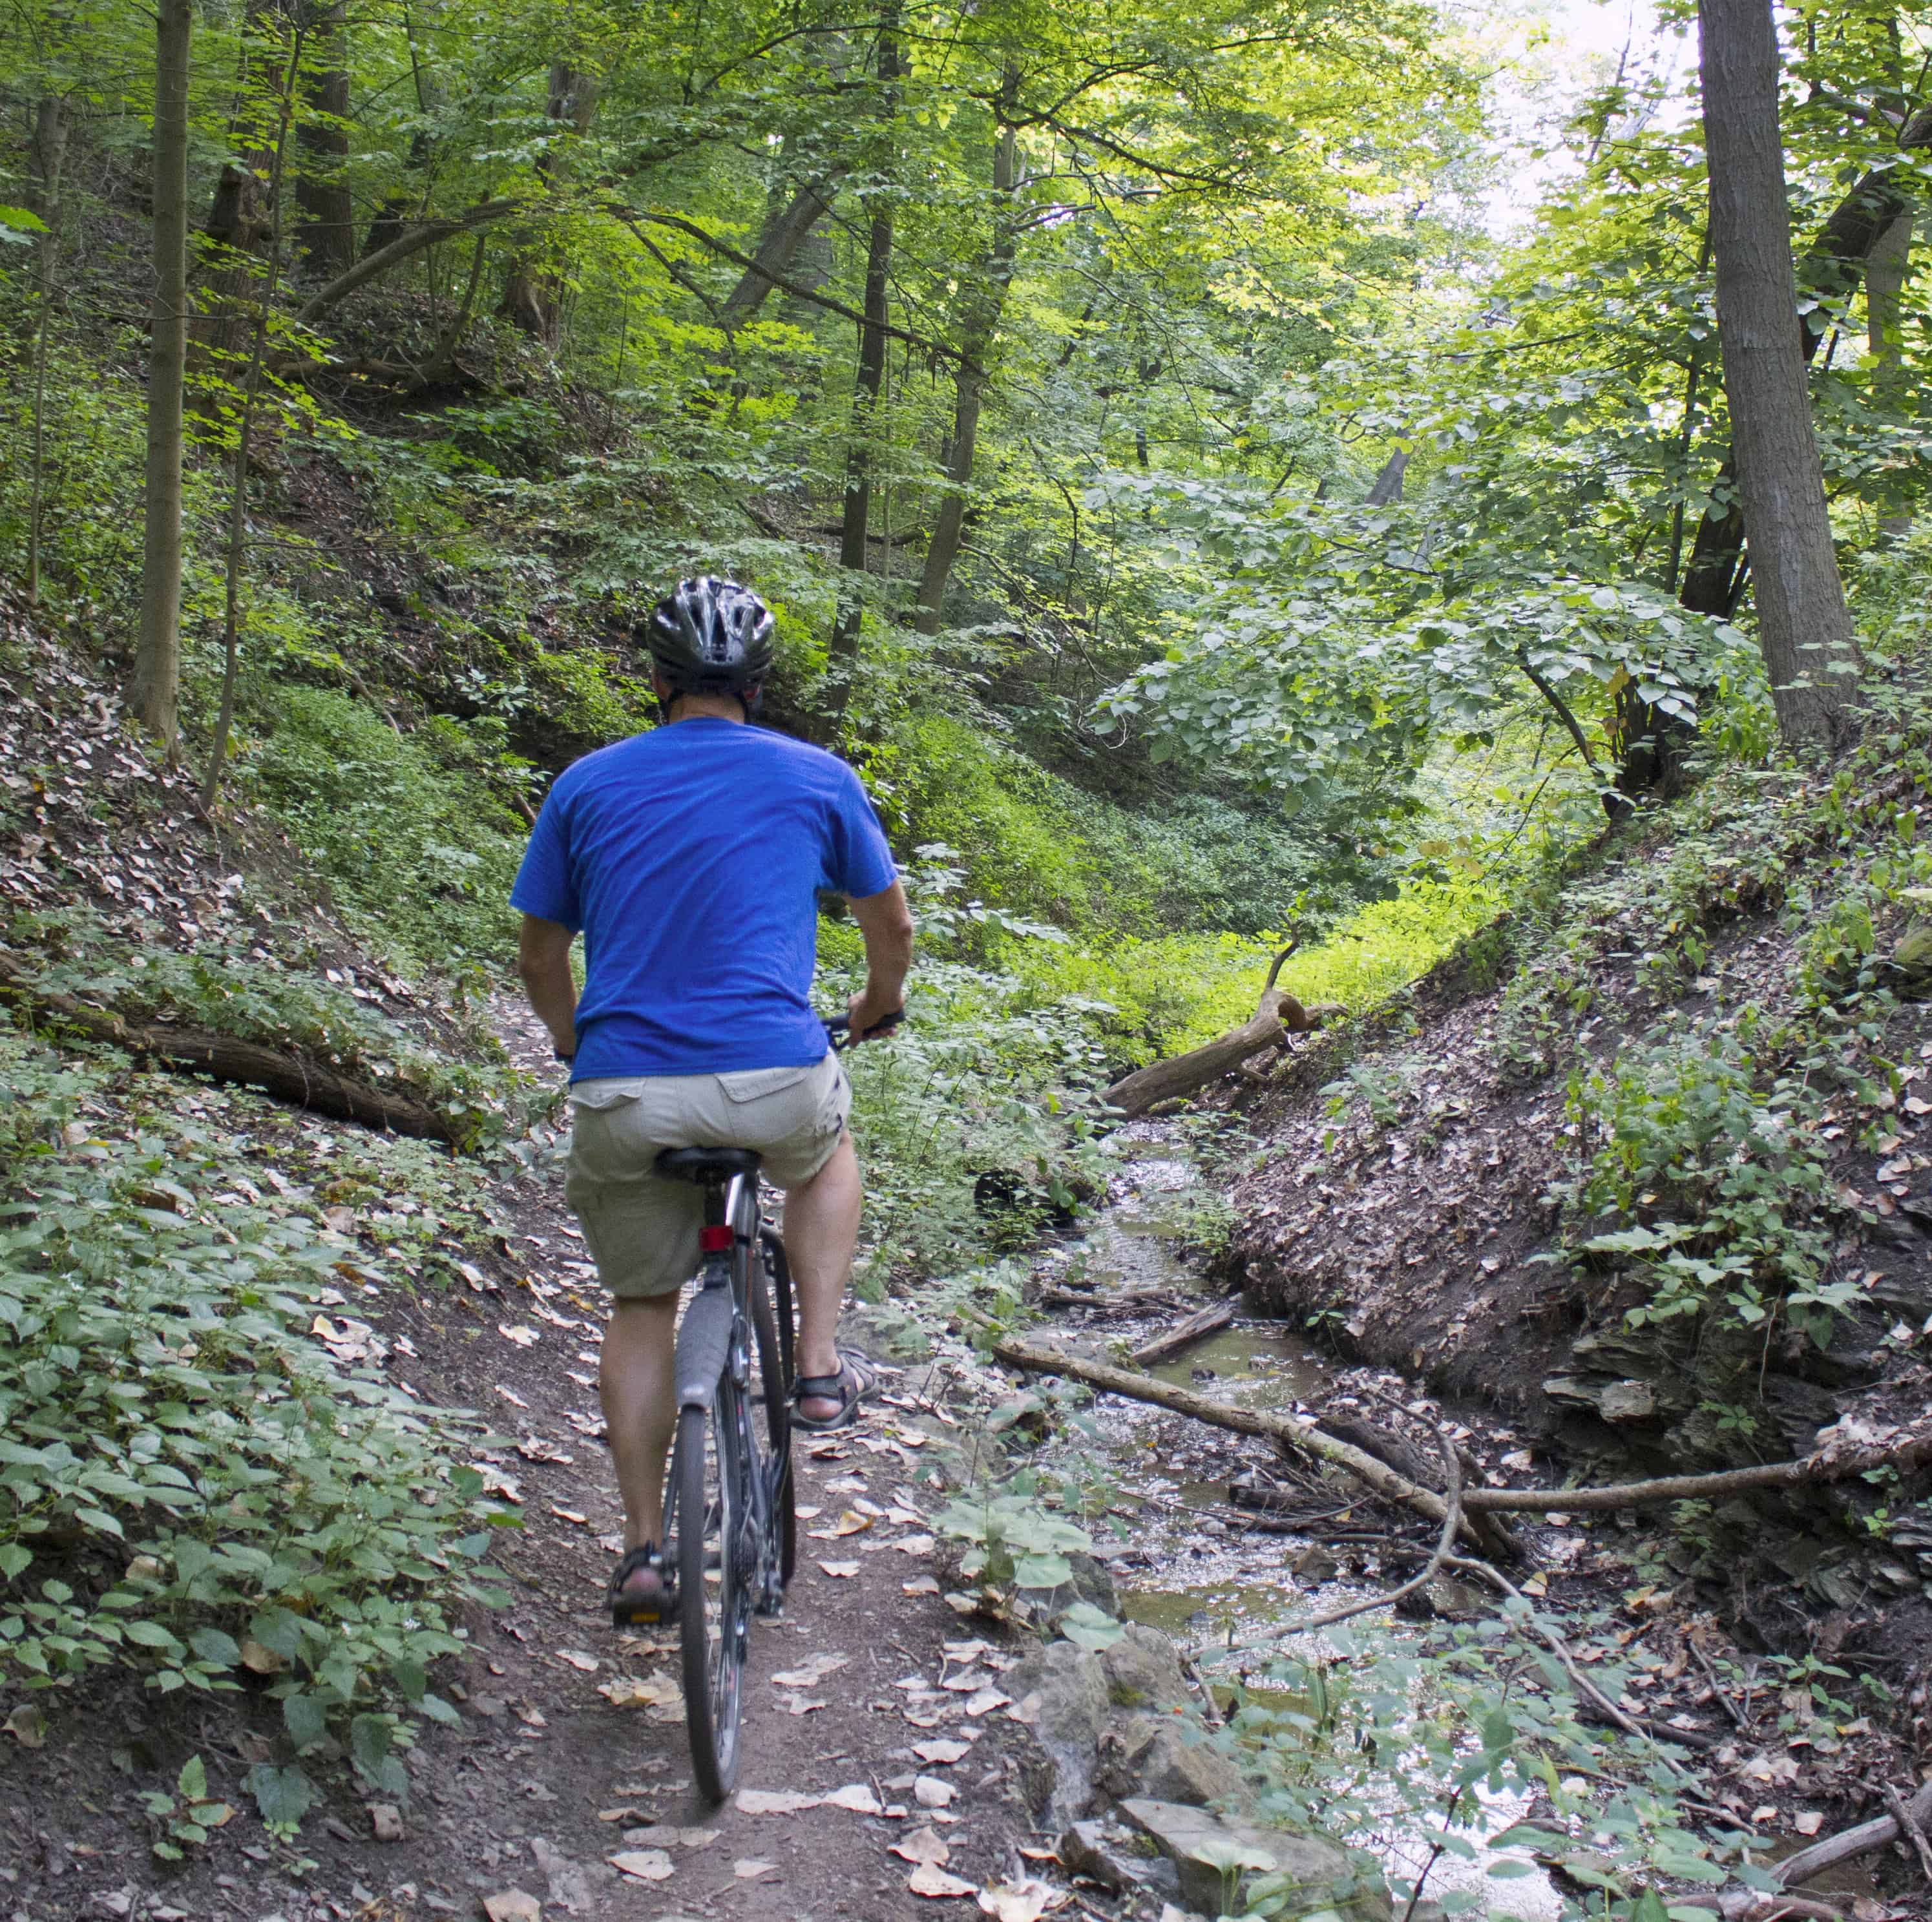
x=600, y=1097
x=756, y=1083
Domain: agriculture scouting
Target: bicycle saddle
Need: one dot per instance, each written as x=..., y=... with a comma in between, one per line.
x=703, y=1166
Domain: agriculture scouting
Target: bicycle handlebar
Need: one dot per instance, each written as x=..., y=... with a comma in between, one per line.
x=838, y=1030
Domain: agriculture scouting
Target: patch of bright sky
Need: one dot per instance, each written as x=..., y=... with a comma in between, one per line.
x=1550, y=55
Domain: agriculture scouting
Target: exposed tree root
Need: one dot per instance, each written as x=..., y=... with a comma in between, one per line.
x=291, y=1074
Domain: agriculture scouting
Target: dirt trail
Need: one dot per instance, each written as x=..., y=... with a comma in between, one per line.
x=549, y=1777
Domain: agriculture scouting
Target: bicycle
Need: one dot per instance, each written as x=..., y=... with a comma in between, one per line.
x=736, y=1562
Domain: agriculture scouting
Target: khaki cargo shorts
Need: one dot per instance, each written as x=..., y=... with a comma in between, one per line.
x=642, y=1230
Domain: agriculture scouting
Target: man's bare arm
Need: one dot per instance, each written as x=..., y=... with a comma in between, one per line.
x=886, y=922
x=543, y=960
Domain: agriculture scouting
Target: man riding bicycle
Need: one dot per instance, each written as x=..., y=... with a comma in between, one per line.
x=691, y=858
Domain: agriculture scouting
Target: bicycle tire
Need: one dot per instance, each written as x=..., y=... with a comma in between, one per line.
x=771, y=1331
x=714, y=1616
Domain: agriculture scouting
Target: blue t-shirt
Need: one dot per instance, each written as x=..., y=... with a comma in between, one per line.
x=692, y=858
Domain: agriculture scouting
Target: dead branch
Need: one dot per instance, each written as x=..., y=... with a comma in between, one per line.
x=1907, y=1453
x=411, y=242
x=1385, y=1445
x=1910, y=1825
x=1452, y=1518
x=1297, y=1432
x=1184, y=1334
x=292, y=1074
x=1277, y=1015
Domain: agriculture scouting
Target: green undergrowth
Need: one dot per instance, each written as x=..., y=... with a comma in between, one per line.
x=205, y=1475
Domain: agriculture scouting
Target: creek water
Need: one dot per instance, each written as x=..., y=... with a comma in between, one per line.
x=1182, y=1561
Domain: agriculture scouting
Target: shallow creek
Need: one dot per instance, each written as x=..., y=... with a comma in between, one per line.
x=1186, y=1563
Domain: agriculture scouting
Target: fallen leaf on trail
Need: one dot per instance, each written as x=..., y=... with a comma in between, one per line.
x=645, y=1865
x=923, y=1721
x=923, y=1844
x=963, y=1605
x=914, y=1545
x=696, y=1838
x=590, y=1425
x=1025, y=1901
x=929, y=1792
x=642, y=1692
x=774, y=1801
x=826, y=1451
x=808, y=1514
x=942, y=1753
x=964, y=1651
x=986, y=1701
x=512, y=1905
x=260, y=1661
x=1769, y=1813
x=968, y=1681
x=928, y=1881
x=851, y=1522
x=524, y=1337
x=570, y=1515
x=871, y=1509
x=385, y=1822
x=617, y=1815
x=920, y=1585
x=800, y=1705
x=510, y=1395
x=1809, y=1822
x=1039, y=1854
x=906, y=1518
x=748, y=1871
x=576, y=1657
x=27, y=1726
x=534, y=1448
x=856, y=1797
x=582, y=1380
x=840, y=1568
x=813, y=1669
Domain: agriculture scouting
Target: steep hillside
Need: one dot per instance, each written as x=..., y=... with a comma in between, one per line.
x=1646, y=1162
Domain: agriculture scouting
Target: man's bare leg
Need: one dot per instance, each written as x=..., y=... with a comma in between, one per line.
x=821, y=1235
x=637, y=1382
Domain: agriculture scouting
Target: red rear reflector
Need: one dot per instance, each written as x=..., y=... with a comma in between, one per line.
x=715, y=1240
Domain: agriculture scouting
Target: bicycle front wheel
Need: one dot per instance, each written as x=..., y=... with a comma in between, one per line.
x=716, y=1558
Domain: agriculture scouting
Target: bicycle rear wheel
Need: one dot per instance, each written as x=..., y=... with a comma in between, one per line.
x=716, y=1557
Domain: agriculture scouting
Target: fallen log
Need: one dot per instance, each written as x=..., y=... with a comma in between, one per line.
x=1297, y=1432
x=292, y=1074
x=1196, y=1327
x=1391, y=1448
x=1277, y=1015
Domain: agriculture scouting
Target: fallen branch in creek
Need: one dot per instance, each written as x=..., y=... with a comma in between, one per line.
x=1297, y=1433
x=1196, y=1327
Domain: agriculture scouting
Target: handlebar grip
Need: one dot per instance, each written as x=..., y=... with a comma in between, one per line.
x=839, y=1029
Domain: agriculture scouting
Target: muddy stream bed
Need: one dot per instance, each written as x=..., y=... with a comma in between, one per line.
x=1184, y=1561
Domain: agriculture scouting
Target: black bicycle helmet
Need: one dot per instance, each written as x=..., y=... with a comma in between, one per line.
x=711, y=636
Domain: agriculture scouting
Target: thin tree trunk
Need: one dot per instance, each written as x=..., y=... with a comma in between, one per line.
x=786, y=229
x=240, y=217
x=855, y=528
x=1387, y=488
x=995, y=274
x=47, y=156
x=1885, y=274
x=154, y=691
x=322, y=183
x=244, y=436
x=1804, y=631
x=532, y=294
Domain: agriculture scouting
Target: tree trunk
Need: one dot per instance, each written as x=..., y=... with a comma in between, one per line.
x=855, y=527
x=240, y=217
x=1804, y=631
x=1886, y=272
x=983, y=321
x=154, y=691
x=787, y=225
x=47, y=156
x=322, y=186
x=532, y=294
x=1387, y=488
x=1830, y=267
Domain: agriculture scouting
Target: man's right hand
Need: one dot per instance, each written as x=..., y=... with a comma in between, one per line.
x=865, y=1011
